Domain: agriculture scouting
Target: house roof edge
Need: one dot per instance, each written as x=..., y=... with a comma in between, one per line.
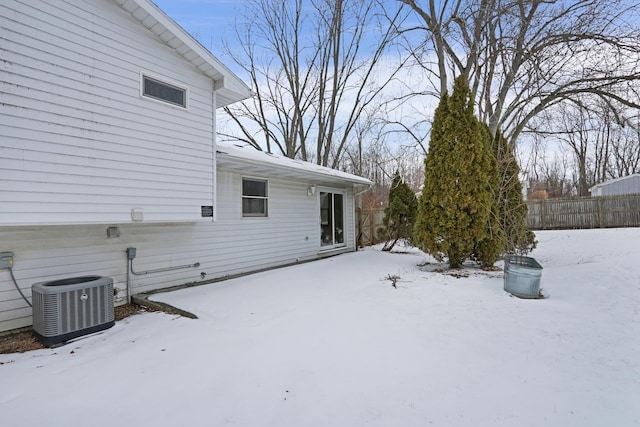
x=155, y=20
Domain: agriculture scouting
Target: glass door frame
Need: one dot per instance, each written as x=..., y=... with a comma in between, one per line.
x=332, y=218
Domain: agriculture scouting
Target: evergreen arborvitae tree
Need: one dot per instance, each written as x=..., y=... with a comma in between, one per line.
x=492, y=245
x=512, y=207
x=400, y=215
x=456, y=203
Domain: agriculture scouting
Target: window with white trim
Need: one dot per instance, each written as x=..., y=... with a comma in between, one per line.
x=165, y=92
x=255, y=195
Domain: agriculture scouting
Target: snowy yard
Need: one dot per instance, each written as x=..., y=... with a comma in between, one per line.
x=332, y=343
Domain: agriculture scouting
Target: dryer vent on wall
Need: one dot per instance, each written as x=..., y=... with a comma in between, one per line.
x=68, y=308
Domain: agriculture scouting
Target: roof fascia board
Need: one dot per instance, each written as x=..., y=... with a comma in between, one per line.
x=239, y=161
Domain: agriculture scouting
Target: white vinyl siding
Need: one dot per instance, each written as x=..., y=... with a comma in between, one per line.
x=77, y=140
x=620, y=186
x=231, y=245
x=81, y=149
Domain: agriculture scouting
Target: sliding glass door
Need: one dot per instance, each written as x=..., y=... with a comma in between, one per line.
x=331, y=219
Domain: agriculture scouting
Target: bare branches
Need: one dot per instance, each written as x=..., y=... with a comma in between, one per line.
x=312, y=78
x=524, y=57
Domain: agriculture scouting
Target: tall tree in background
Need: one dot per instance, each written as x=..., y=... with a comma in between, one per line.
x=594, y=144
x=523, y=57
x=314, y=68
x=400, y=214
x=625, y=152
x=457, y=200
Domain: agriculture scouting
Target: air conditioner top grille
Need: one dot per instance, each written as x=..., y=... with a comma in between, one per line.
x=70, y=284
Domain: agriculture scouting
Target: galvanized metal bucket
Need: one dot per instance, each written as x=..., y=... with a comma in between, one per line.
x=522, y=276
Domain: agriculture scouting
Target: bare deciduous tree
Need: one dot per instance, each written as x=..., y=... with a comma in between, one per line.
x=525, y=57
x=625, y=151
x=601, y=147
x=578, y=132
x=315, y=67
x=547, y=170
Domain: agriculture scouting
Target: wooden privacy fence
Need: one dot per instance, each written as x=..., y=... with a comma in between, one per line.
x=585, y=212
x=369, y=220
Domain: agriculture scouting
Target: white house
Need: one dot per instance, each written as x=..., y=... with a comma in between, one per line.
x=107, y=142
x=629, y=184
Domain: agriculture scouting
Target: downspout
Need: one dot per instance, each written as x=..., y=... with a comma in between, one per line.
x=214, y=106
x=369, y=186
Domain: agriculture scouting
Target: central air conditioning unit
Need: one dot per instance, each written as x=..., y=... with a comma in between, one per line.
x=68, y=308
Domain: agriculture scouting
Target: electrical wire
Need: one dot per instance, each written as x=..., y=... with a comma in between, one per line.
x=18, y=287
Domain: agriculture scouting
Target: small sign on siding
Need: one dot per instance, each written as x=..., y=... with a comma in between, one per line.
x=206, y=211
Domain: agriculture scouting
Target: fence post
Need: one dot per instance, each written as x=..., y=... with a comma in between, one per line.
x=599, y=211
x=358, y=227
x=372, y=225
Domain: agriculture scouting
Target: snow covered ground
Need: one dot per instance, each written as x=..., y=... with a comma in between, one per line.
x=332, y=343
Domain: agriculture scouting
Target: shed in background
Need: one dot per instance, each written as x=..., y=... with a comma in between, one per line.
x=625, y=185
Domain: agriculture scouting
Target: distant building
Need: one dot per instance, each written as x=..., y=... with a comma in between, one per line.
x=626, y=185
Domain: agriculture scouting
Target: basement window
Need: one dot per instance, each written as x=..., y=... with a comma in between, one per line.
x=254, y=197
x=161, y=91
